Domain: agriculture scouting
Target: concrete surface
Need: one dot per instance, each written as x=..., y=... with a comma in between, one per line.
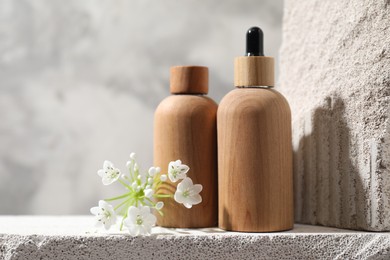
x=335, y=73
x=72, y=237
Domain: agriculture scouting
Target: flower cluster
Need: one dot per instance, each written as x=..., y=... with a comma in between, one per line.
x=141, y=195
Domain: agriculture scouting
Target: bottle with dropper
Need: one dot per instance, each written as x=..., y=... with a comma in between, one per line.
x=254, y=147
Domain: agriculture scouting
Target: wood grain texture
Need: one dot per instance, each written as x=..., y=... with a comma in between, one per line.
x=189, y=80
x=255, y=161
x=254, y=71
x=185, y=129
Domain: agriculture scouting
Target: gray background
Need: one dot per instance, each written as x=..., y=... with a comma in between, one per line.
x=79, y=81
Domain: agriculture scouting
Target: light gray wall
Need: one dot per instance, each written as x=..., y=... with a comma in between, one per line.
x=79, y=81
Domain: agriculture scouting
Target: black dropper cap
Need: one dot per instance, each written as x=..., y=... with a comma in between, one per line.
x=254, y=69
x=254, y=42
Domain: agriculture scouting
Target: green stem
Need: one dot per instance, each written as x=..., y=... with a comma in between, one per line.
x=124, y=217
x=124, y=184
x=119, y=197
x=122, y=203
x=131, y=170
x=150, y=201
x=157, y=183
x=163, y=195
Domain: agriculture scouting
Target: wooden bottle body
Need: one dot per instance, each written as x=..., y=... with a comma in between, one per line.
x=185, y=129
x=255, y=161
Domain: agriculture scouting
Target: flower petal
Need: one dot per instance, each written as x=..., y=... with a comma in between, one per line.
x=172, y=177
x=177, y=162
x=132, y=213
x=178, y=197
x=185, y=184
x=195, y=199
x=95, y=210
x=150, y=219
x=188, y=206
x=184, y=168
x=144, y=211
x=107, y=181
x=197, y=188
x=133, y=230
x=100, y=172
x=144, y=230
x=103, y=204
x=107, y=165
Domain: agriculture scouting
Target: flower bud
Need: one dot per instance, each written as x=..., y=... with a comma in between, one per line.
x=128, y=164
x=132, y=156
x=159, y=205
x=163, y=177
x=149, y=193
x=152, y=171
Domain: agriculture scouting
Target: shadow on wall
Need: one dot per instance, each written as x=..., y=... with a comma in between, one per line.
x=327, y=187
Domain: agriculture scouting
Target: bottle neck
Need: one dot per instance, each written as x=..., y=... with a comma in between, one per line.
x=261, y=87
x=188, y=94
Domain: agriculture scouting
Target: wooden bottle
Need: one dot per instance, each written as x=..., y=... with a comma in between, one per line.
x=254, y=148
x=185, y=128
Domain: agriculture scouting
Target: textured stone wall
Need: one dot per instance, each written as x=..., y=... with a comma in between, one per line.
x=80, y=79
x=335, y=72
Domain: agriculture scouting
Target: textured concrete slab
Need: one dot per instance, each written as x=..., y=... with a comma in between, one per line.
x=72, y=237
x=335, y=72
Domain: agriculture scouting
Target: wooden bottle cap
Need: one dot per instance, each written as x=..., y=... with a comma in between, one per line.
x=189, y=80
x=254, y=71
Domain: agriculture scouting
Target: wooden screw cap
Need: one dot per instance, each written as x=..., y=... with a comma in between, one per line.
x=254, y=71
x=189, y=80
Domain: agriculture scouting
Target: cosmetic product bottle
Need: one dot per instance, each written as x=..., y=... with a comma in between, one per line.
x=185, y=128
x=254, y=147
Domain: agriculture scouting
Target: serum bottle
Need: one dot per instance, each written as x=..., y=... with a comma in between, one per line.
x=254, y=147
x=185, y=128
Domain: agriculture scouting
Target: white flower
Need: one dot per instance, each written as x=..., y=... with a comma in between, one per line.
x=105, y=214
x=163, y=177
x=159, y=205
x=139, y=220
x=177, y=171
x=109, y=173
x=158, y=170
x=188, y=193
